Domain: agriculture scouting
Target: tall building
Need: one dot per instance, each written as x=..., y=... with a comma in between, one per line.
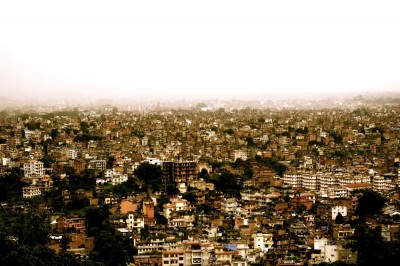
x=33, y=168
x=178, y=172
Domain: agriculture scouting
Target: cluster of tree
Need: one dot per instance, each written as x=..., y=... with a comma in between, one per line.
x=23, y=239
x=87, y=137
x=11, y=186
x=70, y=113
x=272, y=163
x=150, y=175
x=314, y=142
x=367, y=242
x=303, y=130
x=110, y=247
x=229, y=131
x=228, y=183
x=337, y=137
x=33, y=125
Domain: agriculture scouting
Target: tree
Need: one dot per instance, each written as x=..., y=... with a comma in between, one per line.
x=369, y=203
x=160, y=219
x=112, y=249
x=371, y=248
x=54, y=133
x=227, y=183
x=190, y=196
x=250, y=141
x=339, y=219
x=110, y=162
x=229, y=131
x=150, y=174
x=84, y=126
x=172, y=190
x=248, y=172
x=32, y=229
x=96, y=219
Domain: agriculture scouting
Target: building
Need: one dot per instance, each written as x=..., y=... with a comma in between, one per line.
x=178, y=172
x=73, y=222
x=173, y=257
x=339, y=209
x=31, y=192
x=33, y=168
x=99, y=165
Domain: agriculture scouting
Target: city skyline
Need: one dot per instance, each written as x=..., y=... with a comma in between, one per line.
x=197, y=50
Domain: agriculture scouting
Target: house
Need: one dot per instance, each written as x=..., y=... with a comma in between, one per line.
x=73, y=222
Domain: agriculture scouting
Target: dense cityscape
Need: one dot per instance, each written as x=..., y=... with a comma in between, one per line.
x=209, y=184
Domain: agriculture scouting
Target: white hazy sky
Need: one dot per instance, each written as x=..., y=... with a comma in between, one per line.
x=129, y=49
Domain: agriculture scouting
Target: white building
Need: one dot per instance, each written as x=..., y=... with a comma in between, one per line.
x=339, y=209
x=229, y=205
x=263, y=242
x=31, y=192
x=134, y=222
x=176, y=204
x=6, y=161
x=33, y=168
x=71, y=154
x=239, y=154
x=99, y=165
x=331, y=253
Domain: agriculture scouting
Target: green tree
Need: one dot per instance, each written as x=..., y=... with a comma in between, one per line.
x=339, y=219
x=110, y=162
x=227, y=183
x=32, y=228
x=248, y=172
x=151, y=175
x=84, y=126
x=372, y=249
x=54, y=133
x=250, y=141
x=96, y=219
x=229, y=131
x=369, y=203
x=112, y=249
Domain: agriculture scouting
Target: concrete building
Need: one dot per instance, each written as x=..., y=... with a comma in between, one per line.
x=178, y=172
x=33, y=168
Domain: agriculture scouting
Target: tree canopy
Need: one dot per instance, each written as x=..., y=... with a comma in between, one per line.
x=151, y=175
x=369, y=203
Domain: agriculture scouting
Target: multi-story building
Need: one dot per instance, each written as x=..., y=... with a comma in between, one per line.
x=134, y=221
x=99, y=165
x=33, y=168
x=239, y=154
x=31, y=192
x=67, y=222
x=263, y=242
x=383, y=184
x=44, y=182
x=309, y=181
x=178, y=172
x=173, y=257
x=292, y=179
x=71, y=154
x=151, y=245
x=175, y=205
x=229, y=205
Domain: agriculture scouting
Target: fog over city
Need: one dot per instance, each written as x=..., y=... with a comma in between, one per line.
x=86, y=51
